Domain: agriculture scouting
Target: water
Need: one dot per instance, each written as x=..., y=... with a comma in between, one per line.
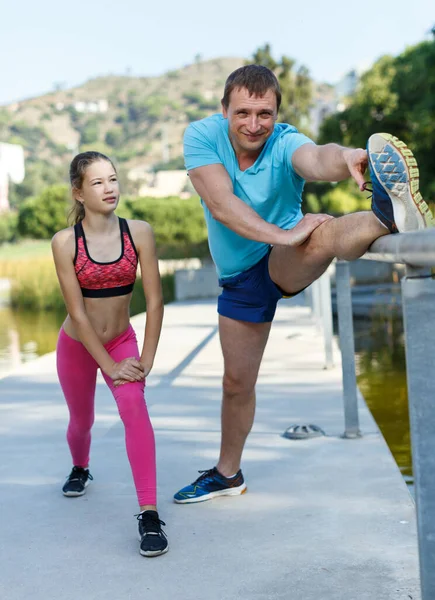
x=380, y=364
x=25, y=336
x=381, y=375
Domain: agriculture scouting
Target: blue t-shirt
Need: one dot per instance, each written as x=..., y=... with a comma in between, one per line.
x=270, y=186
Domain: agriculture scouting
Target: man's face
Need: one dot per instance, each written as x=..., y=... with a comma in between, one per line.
x=250, y=119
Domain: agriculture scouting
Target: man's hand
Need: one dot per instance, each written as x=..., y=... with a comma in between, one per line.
x=302, y=231
x=357, y=161
x=330, y=162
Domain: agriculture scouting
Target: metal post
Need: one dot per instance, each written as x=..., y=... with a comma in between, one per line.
x=347, y=347
x=326, y=311
x=308, y=293
x=418, y=296
x=315, y=287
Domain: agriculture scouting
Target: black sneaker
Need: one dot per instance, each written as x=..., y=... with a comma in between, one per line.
x=153, y=541
x=77, y=482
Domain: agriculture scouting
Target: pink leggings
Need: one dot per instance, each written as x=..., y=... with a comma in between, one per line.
x=77, y=372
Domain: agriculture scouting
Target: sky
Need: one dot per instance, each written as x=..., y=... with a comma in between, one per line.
x=52, y=41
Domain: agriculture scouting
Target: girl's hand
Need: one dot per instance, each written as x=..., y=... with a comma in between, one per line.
x=146, y=367
x=146, y=370
x=129, y=369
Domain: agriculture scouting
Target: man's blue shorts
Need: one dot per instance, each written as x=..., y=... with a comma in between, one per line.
x=251, y=295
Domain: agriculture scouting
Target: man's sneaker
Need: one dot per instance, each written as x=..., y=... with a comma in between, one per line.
x=396, y=199
x=152, y=538
x=77, y=482
x=209, y=485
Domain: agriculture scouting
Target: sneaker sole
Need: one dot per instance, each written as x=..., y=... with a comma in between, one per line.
x=236, y=491
x=152, y=553
x=76, y=494
x=405, y=197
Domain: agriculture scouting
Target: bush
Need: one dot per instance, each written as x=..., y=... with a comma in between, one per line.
x=179, y=225
x=138, y=303
x=32, y=136
x=90, y=132
x=8, y=227
x=334, y=199
x=39, y=175
x=41, y=217
x=96, y=147
x=34, y=286
x=114, y=138
x=193, y=97
x=123, y=155
x=148, y=110
x=195, y=114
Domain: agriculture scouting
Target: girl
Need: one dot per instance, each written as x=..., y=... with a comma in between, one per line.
x=96, y=262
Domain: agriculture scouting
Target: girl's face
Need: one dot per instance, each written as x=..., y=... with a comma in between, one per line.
x=100, y=188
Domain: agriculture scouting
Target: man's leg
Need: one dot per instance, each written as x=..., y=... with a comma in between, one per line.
x=347, y=237
x=243, y=345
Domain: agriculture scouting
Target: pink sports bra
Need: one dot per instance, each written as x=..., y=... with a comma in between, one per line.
x=102, y=280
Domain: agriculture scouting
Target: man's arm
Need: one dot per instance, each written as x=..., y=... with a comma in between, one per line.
x=330, y=162
x=214, y=186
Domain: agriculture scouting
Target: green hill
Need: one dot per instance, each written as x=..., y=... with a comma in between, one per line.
x=135, y=120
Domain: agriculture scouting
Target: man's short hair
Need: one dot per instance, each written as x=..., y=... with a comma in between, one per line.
x=256, y=79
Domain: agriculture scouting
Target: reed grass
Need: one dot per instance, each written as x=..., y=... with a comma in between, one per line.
x=34, y=286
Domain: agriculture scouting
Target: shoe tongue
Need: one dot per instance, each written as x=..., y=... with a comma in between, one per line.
x=151, y=513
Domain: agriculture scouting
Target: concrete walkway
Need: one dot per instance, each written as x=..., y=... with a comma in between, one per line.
x=326, y=519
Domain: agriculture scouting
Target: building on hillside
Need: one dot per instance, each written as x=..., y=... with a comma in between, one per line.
x=331, y=99
x=11, y=169
x=140, y=173
x=165, y=183
x=324, y=104
x=347, y=85
x=97, y=106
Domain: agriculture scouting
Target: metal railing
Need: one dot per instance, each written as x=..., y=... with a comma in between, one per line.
x=417, y=251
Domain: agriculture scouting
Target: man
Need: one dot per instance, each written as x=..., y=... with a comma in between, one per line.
x=249, y=172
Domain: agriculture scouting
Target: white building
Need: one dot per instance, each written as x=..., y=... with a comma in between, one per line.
x=98, y=106
x=166, y=183
x=333, y=100
x=11, y=169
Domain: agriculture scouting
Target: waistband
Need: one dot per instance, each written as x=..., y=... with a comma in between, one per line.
x=108, y=345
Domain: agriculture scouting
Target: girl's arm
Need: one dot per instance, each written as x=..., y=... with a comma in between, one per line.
x=63, y=248
x=152, y=286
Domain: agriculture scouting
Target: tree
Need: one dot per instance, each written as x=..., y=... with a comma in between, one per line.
x=8, y=227
x=397, y=95
x=114, y=138
x=42, y=216
x=90, y=132
x=39, y=175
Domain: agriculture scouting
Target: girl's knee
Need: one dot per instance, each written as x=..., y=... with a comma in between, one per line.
x=131, y=405
x=81, y=426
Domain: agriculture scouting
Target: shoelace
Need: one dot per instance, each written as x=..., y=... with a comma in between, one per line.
x=367, y=187
x=151, y=523
x=77, y=473
x=207, y=474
